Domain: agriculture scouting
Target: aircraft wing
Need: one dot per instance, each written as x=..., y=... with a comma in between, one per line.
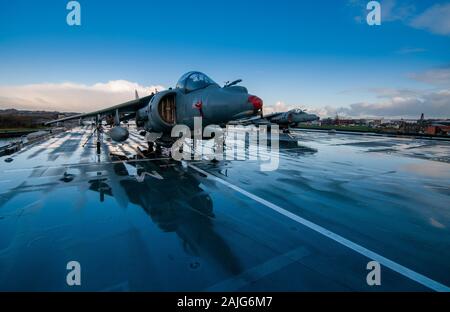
x=256, y=119
x=127, y=107
x=270, y=116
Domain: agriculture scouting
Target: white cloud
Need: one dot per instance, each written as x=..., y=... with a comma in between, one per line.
x=387, y=93
x=391, y=10
x=396, y=103
x=410, y=50
x=434, y=101
x=406, y=103
x=436, y=76
x=70, y=96
x=278, y=107
x=435, y=19
x=389, y=103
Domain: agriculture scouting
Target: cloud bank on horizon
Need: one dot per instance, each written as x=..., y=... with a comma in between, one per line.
x=71, y=97
x=395, y=103
x=433, y=101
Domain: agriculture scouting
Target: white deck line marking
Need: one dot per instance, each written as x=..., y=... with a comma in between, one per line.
x=417, y=277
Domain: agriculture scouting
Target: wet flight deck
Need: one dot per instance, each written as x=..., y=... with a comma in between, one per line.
x=336, y=202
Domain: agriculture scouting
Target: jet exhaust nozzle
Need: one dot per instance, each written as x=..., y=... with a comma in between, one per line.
x=118, y=134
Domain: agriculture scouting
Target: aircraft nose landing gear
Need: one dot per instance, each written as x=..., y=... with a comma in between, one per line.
x=97, y=130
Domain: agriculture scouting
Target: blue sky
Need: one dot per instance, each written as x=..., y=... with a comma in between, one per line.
x=316, y=54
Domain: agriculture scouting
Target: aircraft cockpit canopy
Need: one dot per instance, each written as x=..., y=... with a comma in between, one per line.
x=194, y=81
x=298, y=111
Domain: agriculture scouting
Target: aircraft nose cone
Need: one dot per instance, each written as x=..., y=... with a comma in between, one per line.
x=256, y=102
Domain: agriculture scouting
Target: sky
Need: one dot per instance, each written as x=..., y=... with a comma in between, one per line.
x=320, y=55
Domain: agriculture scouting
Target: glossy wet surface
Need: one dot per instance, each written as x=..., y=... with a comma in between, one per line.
x=159, y=225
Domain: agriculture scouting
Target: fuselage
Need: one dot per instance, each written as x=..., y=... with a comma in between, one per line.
x=196, y=95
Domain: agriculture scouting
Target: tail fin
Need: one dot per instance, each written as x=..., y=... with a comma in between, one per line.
x=136, y=94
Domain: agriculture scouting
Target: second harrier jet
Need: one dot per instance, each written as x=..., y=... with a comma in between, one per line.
x=283, y=119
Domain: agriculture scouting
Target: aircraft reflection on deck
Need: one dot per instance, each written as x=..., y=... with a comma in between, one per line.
x=170, y=195
x=182, y=207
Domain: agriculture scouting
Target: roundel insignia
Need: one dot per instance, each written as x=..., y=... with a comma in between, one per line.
x=198, y=105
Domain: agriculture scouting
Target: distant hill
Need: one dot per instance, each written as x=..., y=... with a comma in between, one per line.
x=25, y=119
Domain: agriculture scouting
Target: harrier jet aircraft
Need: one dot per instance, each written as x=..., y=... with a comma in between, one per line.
x=284, y=119
x=195, y=95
